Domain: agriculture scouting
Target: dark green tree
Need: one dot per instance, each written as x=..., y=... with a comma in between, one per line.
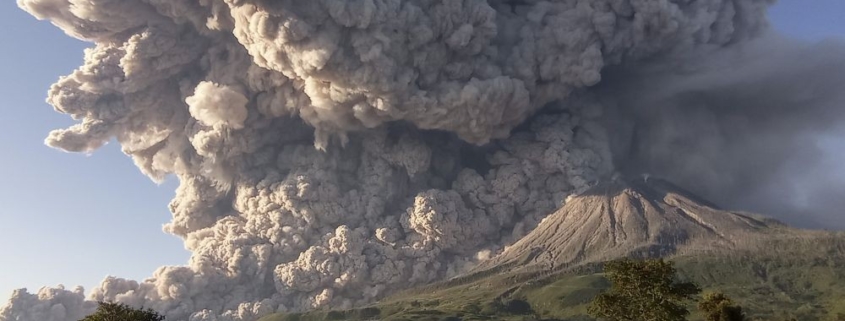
x=643, y=291
x=109, y=311
x=717, y=306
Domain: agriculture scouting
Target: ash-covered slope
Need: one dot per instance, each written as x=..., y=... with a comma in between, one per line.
x=644, y=217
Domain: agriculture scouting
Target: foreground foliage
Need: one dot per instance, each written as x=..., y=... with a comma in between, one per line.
x=108, y=311
x=717, y=306
x=643, y=290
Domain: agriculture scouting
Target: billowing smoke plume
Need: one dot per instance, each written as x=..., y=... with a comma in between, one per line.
x=332, y=151
x=741, y=127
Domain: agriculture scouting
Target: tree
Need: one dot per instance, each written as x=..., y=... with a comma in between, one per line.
x=717, y=306
x=109, y=311
x=643, y=291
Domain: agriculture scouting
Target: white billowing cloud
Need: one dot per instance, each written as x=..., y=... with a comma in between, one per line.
x=216, y=105
x=48, y=304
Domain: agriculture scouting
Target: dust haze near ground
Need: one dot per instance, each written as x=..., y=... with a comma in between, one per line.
x=331, y=152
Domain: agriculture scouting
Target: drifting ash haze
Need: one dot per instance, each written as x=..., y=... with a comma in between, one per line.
x=331, y=152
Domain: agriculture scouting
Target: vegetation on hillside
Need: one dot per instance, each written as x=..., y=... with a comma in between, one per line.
x=807, y=287
x=716, y=306
x=109, y=311
x=643, y=290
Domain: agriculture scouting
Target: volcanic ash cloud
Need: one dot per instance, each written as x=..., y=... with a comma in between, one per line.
x=331, y=152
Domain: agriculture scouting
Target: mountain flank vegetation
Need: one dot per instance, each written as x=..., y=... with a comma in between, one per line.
x=770, y=270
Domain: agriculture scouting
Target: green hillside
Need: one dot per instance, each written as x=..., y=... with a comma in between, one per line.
x=773, y=271
x=804, y=280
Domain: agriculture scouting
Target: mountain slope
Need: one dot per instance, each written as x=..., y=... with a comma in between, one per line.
x=640, y=218
x=775, y=271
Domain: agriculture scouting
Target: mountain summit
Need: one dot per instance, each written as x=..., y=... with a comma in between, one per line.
x=641, y=217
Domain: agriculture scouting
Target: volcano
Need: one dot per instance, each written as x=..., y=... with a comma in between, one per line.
x=640, y=217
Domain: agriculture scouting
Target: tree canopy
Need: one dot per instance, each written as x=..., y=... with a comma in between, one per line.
x=717, y=306
x=643, y=291
x=109, y=311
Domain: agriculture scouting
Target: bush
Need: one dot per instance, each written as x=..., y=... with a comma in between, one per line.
x=718, y=307
x=517, y=306
x=370, y=312
x=110, y=311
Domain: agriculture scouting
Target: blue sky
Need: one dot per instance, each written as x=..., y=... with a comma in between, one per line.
x=66, y=218
x=73, y=219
